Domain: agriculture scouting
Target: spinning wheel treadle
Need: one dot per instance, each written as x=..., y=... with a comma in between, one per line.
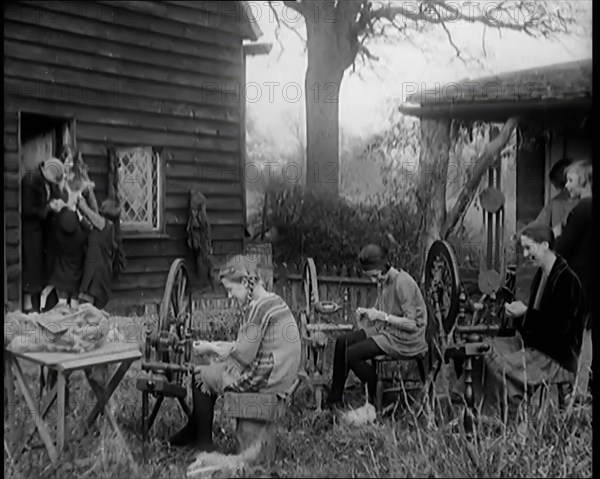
x=442, y=283
x=168, y=349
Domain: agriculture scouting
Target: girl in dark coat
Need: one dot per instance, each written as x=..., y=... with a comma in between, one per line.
x=550, y=329
x=575, y=244
x=96, y=284
x=35, y=209
x=37, y=191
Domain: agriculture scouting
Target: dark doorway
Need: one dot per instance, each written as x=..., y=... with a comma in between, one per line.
x=41, y=137
x=531, y=184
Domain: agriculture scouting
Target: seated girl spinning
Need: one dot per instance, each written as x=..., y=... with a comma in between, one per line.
x=397, y=325
x=549, y=336
x=265, y=358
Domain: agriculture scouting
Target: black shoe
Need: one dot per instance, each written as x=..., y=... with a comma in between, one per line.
x=185, y=437
x=198, y=431
x=205, y=446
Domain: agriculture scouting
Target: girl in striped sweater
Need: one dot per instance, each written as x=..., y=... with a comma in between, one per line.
x=265, y=357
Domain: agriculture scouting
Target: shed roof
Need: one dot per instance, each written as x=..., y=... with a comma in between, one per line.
x=239, y=12
x=533, y=91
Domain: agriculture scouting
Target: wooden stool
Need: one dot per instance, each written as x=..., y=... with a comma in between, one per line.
x=256, y=416
x=379, y=363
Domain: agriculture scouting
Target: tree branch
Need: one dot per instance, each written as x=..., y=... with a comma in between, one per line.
x=278, y=28
x=484, y=161
x=535, y=20
x=362, y=49
x=389, y=13
x=294, y=5
x=485, y=19
x=483, y=41
x=445, y=28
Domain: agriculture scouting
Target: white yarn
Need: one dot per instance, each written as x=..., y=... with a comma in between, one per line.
x=365, y=414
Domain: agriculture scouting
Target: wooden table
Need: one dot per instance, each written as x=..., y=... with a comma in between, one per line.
x=64, y=364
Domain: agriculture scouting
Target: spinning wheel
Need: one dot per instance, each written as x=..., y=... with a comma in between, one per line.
x=313, y=306
x=442, y=284
x=311, y=286
x=448, y=301
x=315, y=332
x=168, y=349
x=175, y=318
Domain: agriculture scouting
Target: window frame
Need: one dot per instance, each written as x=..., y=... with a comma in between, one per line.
x=132, y=232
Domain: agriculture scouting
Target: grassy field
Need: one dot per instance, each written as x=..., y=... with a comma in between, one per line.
x=311, y=444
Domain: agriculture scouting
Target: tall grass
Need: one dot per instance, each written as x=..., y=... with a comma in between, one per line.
x=552, y=444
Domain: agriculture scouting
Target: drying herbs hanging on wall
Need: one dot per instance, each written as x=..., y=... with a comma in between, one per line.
x=112, y=208
x=199, y=235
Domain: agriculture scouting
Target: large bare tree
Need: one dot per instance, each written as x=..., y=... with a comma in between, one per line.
x=338, y=33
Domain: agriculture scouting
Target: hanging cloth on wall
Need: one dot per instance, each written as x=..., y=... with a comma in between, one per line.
x=199, y=235
x=111, y=207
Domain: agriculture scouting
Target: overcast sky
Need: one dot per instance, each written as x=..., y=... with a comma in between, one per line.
x=401, y=67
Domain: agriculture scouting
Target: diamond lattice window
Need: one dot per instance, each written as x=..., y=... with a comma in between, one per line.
x=139, y=185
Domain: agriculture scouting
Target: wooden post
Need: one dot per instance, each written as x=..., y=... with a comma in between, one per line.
x=433, y=172
x=5, y=265
x=469, y=398
x=20, y=243
x=243, y=152
x=508, y=170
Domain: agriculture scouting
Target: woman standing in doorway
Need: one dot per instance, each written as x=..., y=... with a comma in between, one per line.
x=38, y=203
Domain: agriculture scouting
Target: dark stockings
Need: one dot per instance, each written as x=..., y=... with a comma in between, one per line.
x=352, y=352
x=198, y=430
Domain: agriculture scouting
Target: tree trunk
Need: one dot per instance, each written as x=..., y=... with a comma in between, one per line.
x=322, y=86
x=433, y=170
x=332, y=45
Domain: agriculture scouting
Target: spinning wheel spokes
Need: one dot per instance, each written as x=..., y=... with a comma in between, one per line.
x=311, y=286
x=442, y=283
x=168, y=349
x=175, y=313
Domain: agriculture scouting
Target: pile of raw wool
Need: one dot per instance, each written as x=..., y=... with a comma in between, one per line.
x=63, y=329
x=365, y=414
x=215, y=464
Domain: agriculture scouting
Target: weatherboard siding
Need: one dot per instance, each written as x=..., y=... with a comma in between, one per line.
x=165, y=75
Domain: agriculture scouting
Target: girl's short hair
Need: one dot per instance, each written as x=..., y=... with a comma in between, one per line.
x=239, y=267
x=539, y=233
x=583, y=170
x=557, y=173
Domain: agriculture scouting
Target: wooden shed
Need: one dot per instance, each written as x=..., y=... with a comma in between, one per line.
x=158, y=84
x=552, y=105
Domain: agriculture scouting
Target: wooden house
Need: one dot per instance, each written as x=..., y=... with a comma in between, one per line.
x=553, y=107
x=160, y=86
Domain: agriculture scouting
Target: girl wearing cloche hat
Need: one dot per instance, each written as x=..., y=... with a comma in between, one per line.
x=394, y=327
